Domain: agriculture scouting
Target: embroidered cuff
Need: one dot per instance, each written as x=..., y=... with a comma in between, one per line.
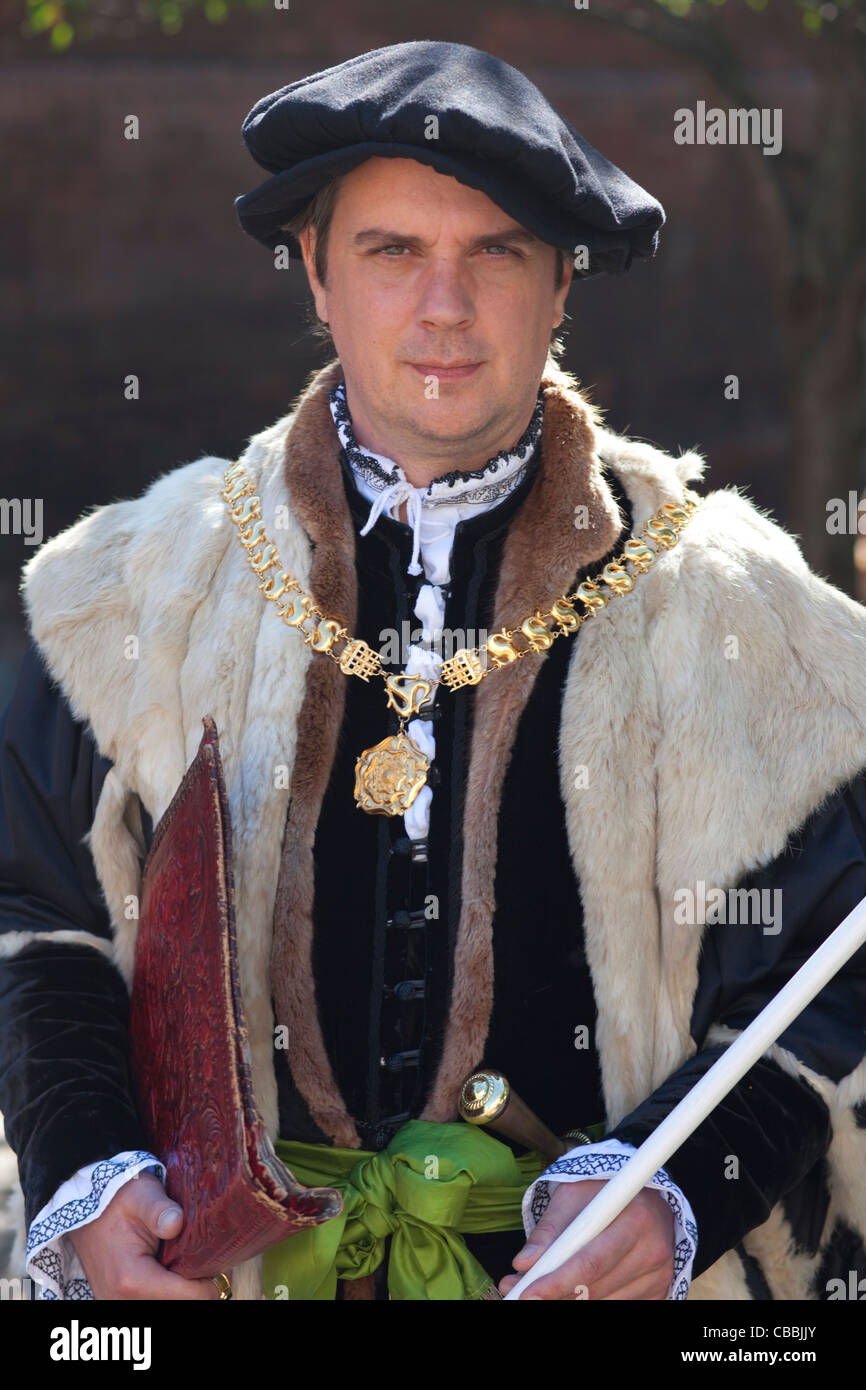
x=51, y=1257
x=603, y=1160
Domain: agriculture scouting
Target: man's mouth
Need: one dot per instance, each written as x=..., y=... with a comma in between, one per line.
x=446, y=371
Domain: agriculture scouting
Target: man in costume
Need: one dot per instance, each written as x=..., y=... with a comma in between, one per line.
x=584, y=847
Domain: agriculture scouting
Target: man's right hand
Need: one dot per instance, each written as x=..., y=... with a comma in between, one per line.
x=118, y=1249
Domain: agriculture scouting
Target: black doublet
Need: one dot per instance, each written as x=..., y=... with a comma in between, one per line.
x=387, y=908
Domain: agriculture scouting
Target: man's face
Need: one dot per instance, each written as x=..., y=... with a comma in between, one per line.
x=427, y=278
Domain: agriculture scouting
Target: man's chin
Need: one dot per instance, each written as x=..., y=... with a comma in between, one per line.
x=452, y=426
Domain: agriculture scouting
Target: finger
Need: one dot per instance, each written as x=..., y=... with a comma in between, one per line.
x=148, y=1203
x=578, y=1276
x=565, y=1204
x=642, y=1261
x=652, y=1285
x=652, y=1253
x=507, y=1283
x=143, y=1277
x=583, y=1273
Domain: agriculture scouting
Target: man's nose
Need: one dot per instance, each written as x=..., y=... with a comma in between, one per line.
x=445, y=299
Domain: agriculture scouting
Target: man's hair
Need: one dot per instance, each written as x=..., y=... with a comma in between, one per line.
x=318, y=214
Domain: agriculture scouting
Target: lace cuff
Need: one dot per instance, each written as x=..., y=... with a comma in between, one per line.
x=603, y=1160
x=51, y=1258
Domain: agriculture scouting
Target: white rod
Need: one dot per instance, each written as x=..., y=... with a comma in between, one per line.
x=704, y=1096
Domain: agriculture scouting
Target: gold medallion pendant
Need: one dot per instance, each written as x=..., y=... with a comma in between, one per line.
x=389, y=776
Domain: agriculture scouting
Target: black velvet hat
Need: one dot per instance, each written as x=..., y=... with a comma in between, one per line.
x=494, y=131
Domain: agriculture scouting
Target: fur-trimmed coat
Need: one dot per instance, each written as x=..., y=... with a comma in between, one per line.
x=701, y=756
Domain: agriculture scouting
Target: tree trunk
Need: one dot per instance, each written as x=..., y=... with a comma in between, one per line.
x=824, y=318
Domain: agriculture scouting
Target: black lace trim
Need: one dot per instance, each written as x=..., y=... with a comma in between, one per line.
x=69, y=1217
x=372, y=468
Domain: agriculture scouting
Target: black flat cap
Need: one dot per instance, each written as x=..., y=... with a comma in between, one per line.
x=496, y=133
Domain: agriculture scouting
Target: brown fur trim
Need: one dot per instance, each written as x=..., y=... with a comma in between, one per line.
x=543, y=552
x=315, y=483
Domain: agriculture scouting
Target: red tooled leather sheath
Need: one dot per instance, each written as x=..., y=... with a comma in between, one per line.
x=190, y=1054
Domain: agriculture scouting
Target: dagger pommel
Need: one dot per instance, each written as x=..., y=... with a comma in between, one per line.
x=488, y=1098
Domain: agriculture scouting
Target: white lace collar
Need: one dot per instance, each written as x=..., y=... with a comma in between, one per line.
x=384, y=482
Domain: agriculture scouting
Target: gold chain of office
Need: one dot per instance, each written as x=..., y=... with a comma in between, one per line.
x=389, y=776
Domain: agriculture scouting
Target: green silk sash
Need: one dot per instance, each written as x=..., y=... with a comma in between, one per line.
x=432, y=1185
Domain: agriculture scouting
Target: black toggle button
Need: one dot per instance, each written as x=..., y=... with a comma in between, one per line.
x=379, y=1135
x=395, y=1121
x=403, y=918
x=416, y=848
x=398, y=1061
x=408, y=989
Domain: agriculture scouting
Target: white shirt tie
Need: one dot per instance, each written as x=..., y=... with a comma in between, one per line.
x=392, y=498
x=433, y=514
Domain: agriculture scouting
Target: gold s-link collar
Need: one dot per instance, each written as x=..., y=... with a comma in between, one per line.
x=539, y=631
x=406, y=694
x=389, y=776
x=223, y=1284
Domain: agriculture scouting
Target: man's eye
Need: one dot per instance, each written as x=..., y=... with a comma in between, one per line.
x=496, y=247
x=383, y=250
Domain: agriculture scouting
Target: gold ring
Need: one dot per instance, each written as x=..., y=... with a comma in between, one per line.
x=222, y=1282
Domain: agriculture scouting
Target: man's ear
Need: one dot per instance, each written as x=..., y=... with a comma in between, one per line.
x=562, y=290
x=307, y=240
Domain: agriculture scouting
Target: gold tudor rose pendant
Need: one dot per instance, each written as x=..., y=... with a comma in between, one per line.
x=389, y=776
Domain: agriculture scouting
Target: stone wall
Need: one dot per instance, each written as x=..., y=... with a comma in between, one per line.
x=127, y=257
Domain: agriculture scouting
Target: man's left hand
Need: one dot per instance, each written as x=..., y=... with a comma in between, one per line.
x=632, y=1259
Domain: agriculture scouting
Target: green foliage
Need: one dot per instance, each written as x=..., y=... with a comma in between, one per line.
x=816, y=16
x=61, y=21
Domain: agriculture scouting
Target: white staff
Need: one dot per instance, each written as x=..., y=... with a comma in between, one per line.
x=704, y=1096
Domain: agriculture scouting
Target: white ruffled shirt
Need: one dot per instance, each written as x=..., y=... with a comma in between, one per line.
x=433, y=514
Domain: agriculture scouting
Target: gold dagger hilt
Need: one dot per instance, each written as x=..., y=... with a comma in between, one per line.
x=488, y=1098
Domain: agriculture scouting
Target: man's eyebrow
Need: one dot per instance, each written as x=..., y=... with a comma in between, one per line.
x=517, y=235
x=386, y=236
